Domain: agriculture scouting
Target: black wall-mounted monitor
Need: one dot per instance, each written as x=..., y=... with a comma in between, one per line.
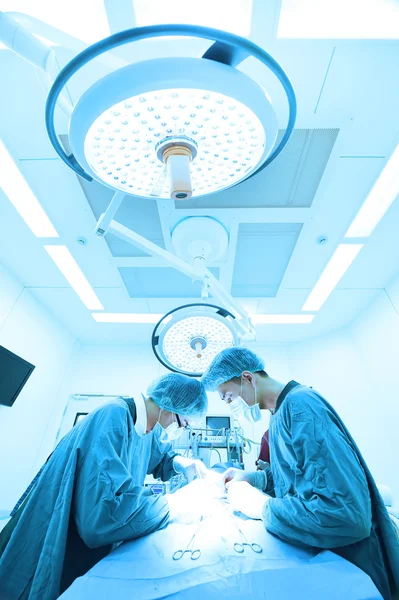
x=14, y=373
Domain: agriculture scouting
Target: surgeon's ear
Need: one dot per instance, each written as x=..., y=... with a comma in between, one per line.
x=249, y=377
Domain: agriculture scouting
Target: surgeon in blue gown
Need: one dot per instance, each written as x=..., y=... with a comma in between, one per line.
x=90, y=494
x=320, y=492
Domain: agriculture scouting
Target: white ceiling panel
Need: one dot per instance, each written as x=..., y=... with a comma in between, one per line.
x=378, y=261
x=288, y=300
x=339, y=19
x=306, y=68
x=21, y=252
x=341, y=308
x=234, y=16
x=339, y=197
x=86, y=22
x=346, y=128
x=360, y=84
x=65, y=306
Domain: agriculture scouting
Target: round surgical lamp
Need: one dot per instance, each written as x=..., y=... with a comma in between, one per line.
x=173, y=127
x=187, y=338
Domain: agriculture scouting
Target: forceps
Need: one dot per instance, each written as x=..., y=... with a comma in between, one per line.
x=195, y=554
x=240, y=546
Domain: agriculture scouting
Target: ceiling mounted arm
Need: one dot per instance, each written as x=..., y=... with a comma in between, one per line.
x=243, y=322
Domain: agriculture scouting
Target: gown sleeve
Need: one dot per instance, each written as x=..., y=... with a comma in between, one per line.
x=328, y=503
x=108, y=506
x=161, y=462
x=269, y=482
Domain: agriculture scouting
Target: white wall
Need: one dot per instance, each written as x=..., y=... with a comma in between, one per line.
x=332, y=367
x=27, y=428
x=375, y=336
x=105, y=369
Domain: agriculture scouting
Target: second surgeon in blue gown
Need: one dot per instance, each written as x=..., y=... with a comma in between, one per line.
x=320, y=492
x=89, y=495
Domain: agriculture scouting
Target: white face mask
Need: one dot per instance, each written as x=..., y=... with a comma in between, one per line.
x=169, y=433
x=240, y=408
x=253, y=414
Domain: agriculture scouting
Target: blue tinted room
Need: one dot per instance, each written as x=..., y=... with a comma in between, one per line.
x=199, y=299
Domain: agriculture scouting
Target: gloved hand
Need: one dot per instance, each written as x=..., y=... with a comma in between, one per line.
x=190, y=503
x=257, y=479
x=246, y=499
x=262, y=465
x=191, y=468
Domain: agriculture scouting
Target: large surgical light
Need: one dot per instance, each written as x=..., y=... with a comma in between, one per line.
x=187, y=338
x=173, y=127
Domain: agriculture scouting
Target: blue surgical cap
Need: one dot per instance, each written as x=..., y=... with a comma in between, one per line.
x=179, y=394
x=229, y=363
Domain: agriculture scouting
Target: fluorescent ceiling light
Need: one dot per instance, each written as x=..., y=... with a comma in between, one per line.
x=126, y=317
x=341, y=260
x=271, y=319
x=71, y=271
x=234, y=16
x=21, y=196
x=339, y=19
x=382, y=195
x=86, y=21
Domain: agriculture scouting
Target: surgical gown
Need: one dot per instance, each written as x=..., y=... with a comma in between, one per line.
x=324, y=494
x=89, y=496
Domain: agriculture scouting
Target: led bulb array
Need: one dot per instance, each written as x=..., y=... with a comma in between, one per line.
x=121, y=144
x=177, y=342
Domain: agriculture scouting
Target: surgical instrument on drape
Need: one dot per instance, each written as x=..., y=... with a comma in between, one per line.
x=195, y=554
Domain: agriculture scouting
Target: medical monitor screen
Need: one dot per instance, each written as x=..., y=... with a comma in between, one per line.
x=217, y=424
x=14, y=373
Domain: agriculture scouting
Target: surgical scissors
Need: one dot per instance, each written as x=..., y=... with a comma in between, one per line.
x=195, y=554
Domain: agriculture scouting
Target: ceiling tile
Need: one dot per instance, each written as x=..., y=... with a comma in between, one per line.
x=290, y=180
x=155, y=282
x=262, y=256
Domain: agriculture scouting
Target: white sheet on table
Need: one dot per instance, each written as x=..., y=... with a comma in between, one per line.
x=144, y=569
